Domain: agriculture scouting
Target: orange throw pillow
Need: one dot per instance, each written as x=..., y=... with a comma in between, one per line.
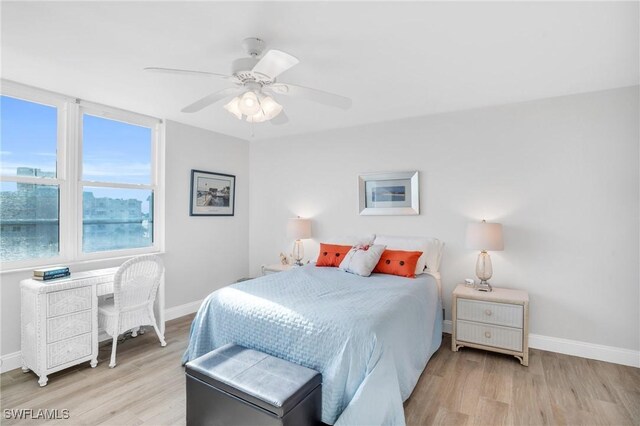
x=398, y=262
x=331, y=255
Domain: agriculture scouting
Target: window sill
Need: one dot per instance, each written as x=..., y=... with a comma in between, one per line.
x=77, y=263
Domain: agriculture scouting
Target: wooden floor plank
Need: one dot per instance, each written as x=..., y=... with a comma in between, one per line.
x=631, y=401
x=491, y=412
x=469, y=387
x=497, y=379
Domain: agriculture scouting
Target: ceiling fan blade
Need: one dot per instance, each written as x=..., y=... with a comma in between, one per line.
x=279, y=119
x=187, y=72
x=274, y=63
x=210, y=99
x=314, y=95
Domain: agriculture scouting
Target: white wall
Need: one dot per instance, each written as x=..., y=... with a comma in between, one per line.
x=204, y=253
x=561, y=174
x=201, y=253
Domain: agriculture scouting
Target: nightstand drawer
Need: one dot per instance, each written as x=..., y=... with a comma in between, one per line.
x=489, y=335
x=491, y=313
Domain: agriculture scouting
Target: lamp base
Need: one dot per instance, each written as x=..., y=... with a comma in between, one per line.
x=484, y=271
x=484, y=286
x=298, y=253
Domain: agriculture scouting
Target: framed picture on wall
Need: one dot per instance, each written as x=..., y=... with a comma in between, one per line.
x=212, y=194
x=389, y=193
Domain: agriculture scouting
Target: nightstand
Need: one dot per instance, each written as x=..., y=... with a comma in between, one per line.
x=497, y=321
x=275, y=268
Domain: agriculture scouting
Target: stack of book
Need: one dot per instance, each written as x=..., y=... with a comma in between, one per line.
x=51, y=273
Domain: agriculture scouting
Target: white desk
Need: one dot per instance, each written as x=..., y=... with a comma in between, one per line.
x=59, y=320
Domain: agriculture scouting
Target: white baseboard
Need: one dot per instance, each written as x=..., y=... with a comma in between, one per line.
x=12, y=361
x=585, y=350
x=446, y=326
x=182, y=310
x=576, y=348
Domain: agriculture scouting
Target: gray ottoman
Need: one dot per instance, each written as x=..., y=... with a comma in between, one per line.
x=233, y=385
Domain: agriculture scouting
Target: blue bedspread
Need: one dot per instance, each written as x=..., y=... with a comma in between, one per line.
x=369, y=337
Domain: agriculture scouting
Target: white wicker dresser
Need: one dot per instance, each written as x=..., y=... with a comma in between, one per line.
x=59, y=324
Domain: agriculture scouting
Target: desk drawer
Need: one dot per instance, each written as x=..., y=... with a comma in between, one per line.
x=68, y=301
x=491, y=313
x=489, y=335
x=68, y=350
x=104, y=288
x=65, y=326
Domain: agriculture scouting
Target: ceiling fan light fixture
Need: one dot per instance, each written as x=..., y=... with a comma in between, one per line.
x=270, y=107
x=249, y=104
x=267, y=109
x=234, y=108
x=257, y=118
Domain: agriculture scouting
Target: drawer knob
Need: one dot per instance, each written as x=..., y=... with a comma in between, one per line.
x=488, y=312
x=487, y=334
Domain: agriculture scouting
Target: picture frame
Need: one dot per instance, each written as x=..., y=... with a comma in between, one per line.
x=212, y=194
x=395, y=194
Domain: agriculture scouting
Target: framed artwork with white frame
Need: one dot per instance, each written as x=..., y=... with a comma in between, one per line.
x=395, y=194
x=212, y=194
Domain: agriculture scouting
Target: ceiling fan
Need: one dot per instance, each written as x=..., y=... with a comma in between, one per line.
x=255, y=86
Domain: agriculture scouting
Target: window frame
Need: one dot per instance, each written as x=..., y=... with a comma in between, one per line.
x=128, y=118
x=69, y=176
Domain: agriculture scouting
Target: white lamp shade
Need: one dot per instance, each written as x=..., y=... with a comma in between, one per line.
x=299, y=228
x=249, y=104
x=485, y=236
x=258, y=117
x=268, y=110
x=234, y=108
x=270, y=107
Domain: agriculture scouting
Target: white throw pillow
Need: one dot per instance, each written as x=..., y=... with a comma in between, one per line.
x=430, y=255
x=361, y=259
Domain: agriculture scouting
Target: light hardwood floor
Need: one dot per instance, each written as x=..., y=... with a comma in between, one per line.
x=461, y=388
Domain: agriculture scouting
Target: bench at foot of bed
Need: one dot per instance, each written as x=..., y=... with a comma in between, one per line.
x=233, y=385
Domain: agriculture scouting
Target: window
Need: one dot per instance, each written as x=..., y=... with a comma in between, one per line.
x=117, y=184
x=30, y=189
x=78, y=180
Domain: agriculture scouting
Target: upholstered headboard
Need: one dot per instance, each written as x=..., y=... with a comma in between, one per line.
x=434, y=254
x=434, y=250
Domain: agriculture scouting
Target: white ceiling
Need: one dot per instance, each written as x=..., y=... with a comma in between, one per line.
x=394, y=60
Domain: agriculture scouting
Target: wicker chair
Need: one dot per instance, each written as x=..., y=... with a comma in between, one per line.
x=134, y=292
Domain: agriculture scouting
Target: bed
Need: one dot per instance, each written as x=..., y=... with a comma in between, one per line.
x=370, y=337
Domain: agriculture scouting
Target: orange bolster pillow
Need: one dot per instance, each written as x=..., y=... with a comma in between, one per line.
x=332, y=255
x=398, y=262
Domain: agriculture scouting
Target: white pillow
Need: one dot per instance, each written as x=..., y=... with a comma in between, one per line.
x=361, y=259
x=429, y=247
x=351, y=240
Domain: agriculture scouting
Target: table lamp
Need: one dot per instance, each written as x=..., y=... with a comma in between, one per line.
x=484, y=236
x=298, y=229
